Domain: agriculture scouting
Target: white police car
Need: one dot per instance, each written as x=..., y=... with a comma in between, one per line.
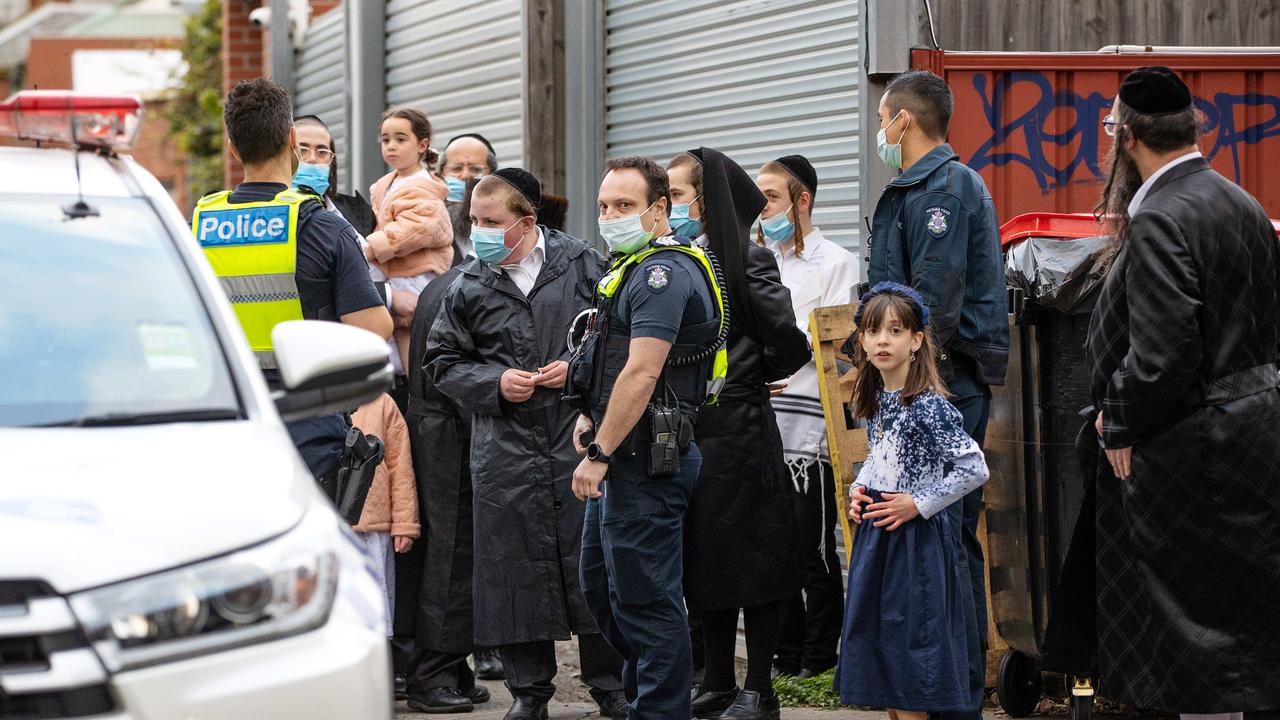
x=163, y=551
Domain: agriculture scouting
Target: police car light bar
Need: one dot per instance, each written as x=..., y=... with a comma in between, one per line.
x=111, y=122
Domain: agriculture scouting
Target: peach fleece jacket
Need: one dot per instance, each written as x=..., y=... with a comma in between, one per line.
x=414, y=234
x=392, y=505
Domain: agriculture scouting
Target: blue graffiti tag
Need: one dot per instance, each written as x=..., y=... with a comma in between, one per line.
x=1051, y=168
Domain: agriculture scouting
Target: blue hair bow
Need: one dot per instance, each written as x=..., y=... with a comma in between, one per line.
x=893, y=288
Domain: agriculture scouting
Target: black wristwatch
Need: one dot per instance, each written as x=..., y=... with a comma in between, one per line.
x=595, y=454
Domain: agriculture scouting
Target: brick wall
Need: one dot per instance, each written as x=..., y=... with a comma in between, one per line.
x=243, y=47
x=49, y=68
x=246, y=54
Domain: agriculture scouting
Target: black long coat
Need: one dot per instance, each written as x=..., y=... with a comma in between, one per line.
x=1183, y=344
x=528, y=524
x=741, y=538
x=439, y=437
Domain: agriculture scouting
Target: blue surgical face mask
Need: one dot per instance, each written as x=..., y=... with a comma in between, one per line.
x=491, y=244
x=682, y=224
x=457, y=189
x=313, y=176
x=625, y=235
x=778, y=228
x=890, y=153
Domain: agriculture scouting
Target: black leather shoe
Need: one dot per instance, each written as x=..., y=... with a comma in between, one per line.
x=488, y=665
x=806, y=673
x=708, y=704
x=478, y=694
x=614, y=705
x=440, y=700
x=751, y=705
x=398, y=690
x=527, y=708
x=776, y=672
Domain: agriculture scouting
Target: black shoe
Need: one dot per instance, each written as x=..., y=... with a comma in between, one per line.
x=527, y=708
x=441, y=700
x=614, y=705
x=806, y=673
x=706, y=704
x=398, y=690
x=751, y=705
x=478, y=694
x=488, y=665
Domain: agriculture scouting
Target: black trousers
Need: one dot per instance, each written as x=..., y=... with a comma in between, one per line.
x=973, y=399
x=531, y=667
x=812, y=620
x=431, y=669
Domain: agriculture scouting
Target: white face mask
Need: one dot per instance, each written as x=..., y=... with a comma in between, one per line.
x=626, y=235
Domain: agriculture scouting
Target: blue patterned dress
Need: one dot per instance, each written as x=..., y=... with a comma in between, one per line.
x=904, y=644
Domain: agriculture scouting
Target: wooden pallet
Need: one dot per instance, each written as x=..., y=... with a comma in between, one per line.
x=847, y=440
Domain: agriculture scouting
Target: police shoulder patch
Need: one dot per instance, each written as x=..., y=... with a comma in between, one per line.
x=939, y=221
x=658, y=277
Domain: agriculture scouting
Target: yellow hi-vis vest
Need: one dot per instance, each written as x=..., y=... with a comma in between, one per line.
x=253, y=248
x=608, y=286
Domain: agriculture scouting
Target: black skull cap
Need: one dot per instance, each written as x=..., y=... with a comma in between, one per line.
x=1154, y=91
x=477, y=136
x=523, y=181
x=800, y=167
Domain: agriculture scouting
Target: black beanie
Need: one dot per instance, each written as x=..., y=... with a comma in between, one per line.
x=1155, y=90
x=522, y=180
x=802, y=169
x=477, y=136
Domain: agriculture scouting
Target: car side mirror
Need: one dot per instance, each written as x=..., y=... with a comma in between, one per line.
x=328, y=367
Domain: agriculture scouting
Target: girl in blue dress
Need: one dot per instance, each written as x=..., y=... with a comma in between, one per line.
x=904, y=644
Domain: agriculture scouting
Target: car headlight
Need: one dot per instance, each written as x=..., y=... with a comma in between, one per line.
x=285, y=586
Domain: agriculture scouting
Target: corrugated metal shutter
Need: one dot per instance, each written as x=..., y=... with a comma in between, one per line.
x=473, y=86
x=321, y=83
x=755, y=79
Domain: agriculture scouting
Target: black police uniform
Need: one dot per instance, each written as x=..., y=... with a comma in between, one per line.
x=333, y=280
x=632, y=544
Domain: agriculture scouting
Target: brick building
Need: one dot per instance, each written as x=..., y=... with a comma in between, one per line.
x=246, y=54
x=51, y=65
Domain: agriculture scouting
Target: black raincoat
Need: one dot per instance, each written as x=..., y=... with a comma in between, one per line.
x=741, y=539
x=528, y=524
x=438, y=436
x=1183, y=346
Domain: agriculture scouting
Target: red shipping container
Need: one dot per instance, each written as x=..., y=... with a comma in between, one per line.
x=1031, y=123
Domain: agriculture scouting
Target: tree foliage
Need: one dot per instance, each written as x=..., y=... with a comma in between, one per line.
x=195, y=112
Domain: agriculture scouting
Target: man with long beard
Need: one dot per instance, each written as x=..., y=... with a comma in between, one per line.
x=1182, y=348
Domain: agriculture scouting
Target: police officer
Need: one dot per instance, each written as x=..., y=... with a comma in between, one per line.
x=280, y=255
x=653, y=354
x=935, y=229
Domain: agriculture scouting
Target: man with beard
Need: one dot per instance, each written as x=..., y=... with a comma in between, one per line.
x=465, y=160
x=935, y=229
x=1182, y=348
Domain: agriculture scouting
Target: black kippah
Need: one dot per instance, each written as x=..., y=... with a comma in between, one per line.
x=477, y=136
x=1155, y=90
x=802, y=169
x=522, y=180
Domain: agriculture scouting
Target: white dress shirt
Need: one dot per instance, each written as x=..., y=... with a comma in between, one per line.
x=525, y=274
x=1141, y=195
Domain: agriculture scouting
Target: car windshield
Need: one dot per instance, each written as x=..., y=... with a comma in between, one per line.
x=100, y=323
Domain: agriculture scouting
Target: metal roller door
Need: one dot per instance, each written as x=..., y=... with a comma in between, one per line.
x=321, y=83
x=463, y=87
x=755, y=79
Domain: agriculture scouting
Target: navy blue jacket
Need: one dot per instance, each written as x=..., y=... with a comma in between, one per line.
x=935, y=229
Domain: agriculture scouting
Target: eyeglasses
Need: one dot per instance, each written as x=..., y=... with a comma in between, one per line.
x=455, y=169
x=1109, y=125
x=323, y=156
